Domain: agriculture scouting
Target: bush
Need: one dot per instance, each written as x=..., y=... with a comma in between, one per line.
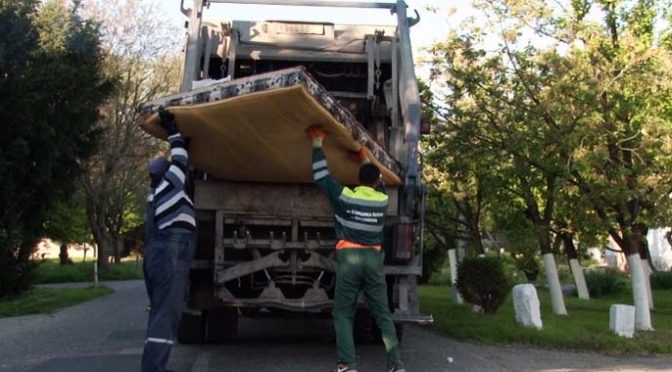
x=661, y=280
x=604, y=282
x=481, y=281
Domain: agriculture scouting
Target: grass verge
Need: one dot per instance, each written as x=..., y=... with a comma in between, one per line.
x=50, y=271
x=48, y=300
x=585, y=328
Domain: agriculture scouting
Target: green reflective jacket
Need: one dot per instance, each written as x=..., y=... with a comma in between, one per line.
x=359, y=213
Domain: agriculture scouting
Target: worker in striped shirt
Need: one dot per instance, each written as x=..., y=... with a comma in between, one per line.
x=360, y=219
x=170, y=230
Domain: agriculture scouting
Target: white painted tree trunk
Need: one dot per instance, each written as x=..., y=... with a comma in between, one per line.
x=579, y=279
x=642, y=312
x=647, y=281
x=452, y=259
x=557, y=301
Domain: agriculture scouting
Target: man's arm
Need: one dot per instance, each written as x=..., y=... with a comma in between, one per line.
x=179, y=166
x=321, y=175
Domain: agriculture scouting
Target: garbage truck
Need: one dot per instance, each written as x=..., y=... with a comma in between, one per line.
x=268, y=248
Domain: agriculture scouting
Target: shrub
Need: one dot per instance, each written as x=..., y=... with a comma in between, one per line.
x=661, y=280
x=481, y=281
x=604, y=282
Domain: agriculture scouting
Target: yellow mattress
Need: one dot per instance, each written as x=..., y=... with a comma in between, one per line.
x=260, y=137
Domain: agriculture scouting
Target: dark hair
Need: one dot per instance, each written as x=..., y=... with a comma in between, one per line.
x=368, y=174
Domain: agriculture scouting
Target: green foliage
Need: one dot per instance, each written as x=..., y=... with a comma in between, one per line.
x=51, y=86
x=67, y=222
x=521, y=242
x=50, y=271
x=48, y=300
x=481, y=281
x=586, y=328
x=661, y=280
x=433, y=258
x=604, y=283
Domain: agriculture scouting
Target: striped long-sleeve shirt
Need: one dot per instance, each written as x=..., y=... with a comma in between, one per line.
x=359, y=213
x=173, y=207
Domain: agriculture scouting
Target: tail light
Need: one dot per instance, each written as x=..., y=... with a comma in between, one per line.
x=402, y=243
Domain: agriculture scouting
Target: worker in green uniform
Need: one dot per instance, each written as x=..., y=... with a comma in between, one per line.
x=360, y=218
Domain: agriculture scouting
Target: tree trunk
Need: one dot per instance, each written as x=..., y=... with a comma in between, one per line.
x=646, y=266
x=646, y=270
x=118, y=244
x=579, y=279
x=642, y=312
x=104, y=249
x=63, y=257
x=452, y=259
x=557, y=300
x=575, y=266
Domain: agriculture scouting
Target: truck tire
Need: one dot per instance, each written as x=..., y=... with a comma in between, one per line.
x=222, y=325
x=191, y=329
x=399, y=327
x=365, y=329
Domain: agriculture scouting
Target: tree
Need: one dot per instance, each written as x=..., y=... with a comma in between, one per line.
x=46, y=120
x=495, y=120
x=66, y=222
x=592, y=110
x=141, y=52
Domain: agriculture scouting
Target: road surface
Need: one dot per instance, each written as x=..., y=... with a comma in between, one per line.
x=106, y=335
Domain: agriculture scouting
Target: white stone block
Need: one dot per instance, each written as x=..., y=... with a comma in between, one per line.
x=526, y=306
x=622, y=320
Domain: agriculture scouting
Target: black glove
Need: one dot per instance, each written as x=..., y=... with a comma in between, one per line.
x=168, y=121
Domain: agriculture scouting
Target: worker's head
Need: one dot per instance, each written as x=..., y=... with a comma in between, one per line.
x=369, y=175
x=157, y=168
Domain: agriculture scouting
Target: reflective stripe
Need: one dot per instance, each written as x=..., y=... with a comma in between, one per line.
x=182, y=217
x=174, y=169
x=170, y=202
x=362, y=202
x=358, y=226
x=178, y=151
x=366, y=193
x=175, y=136
x=347, y=244
x=320, y=175
x=159, y=340
x=319, y=164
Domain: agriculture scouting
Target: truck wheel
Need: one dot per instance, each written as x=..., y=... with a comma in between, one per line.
x=222, y=325
x=365, y=329
x=191, y=329
x=399, y=327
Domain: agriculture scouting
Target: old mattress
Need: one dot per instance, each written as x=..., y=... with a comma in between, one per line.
x=252, y=129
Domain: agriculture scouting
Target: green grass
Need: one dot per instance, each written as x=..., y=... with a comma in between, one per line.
x=48, y=300
x=585, y=328
x=50, y=271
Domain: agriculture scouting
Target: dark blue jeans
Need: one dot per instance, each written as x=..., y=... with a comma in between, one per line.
x=166, y=267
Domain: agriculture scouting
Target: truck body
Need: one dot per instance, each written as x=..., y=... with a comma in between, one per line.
x=269, y=249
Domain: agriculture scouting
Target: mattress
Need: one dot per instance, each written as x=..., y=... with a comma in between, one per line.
x=253, y=129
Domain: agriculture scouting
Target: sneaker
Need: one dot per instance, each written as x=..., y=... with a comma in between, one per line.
x=341, y=367
x=396, y=368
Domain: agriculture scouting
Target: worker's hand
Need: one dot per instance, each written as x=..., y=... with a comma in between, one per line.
x=317, y=134
x=168, y=121
x=360, y=156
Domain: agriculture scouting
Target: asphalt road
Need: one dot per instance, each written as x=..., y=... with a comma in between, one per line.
x=106, y=335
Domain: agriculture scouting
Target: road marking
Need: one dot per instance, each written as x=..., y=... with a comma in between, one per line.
x=202, y=362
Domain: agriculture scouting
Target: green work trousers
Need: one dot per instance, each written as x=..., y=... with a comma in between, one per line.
x=362, y=270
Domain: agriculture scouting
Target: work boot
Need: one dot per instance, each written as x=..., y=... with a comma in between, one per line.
x=342, y=367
